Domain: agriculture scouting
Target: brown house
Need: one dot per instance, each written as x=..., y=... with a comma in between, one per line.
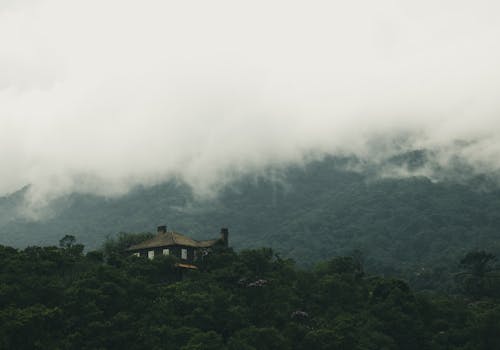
x=186, y=249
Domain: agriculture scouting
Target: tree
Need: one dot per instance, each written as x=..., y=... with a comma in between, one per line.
x=258, y=338
x=118, y=244
x=205, y=341
x=479, y=271
x=67, y=241
x=478, y=263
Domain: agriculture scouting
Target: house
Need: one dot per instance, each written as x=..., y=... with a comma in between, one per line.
x=186, y=249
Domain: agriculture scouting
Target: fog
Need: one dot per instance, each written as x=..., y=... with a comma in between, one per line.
x=97, y=96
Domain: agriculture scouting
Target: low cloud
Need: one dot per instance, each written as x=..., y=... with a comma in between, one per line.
x=97, y=96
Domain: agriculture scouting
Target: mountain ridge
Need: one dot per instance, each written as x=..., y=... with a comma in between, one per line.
x=404, y=226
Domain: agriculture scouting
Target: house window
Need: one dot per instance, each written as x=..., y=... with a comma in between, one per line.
x=137, y=254
x=184, y=254
x=166, y=251
x=151, y=254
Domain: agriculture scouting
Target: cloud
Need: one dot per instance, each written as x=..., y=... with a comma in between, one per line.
x=96, y=96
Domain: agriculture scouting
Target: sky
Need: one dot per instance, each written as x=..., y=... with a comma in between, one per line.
x=98, y=96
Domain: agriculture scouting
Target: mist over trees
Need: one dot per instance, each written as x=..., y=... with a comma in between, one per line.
x=351, y=148
x=196, y=87
x=354, y=261
x=411, y=227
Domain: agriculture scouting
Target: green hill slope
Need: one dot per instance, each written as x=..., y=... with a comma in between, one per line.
x=411, y=226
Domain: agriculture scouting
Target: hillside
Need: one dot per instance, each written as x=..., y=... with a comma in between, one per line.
x=59, y=298
x=411, y=227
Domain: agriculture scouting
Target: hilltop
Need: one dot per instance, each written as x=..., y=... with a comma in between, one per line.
x=410, y=226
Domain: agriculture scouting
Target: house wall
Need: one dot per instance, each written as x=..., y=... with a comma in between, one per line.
x=174, y=251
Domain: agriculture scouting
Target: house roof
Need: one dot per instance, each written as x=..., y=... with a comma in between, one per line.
x=165, y=239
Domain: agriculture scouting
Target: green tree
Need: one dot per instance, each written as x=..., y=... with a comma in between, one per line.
x=479, y=271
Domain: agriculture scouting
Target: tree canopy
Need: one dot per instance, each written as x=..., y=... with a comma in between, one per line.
x=62, y=298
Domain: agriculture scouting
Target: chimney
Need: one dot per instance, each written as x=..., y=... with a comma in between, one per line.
x=162, y=229
x=224, y=236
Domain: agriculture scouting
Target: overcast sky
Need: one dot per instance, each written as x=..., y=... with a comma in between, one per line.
x=97, y=95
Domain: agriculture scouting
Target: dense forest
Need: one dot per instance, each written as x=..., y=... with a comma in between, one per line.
x=62, y=298
x=411, y=227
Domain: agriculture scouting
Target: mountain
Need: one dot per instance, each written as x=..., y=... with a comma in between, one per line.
x=411, y=226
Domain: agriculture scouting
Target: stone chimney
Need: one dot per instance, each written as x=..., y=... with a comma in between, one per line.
x=224, y=236
x=162, y=229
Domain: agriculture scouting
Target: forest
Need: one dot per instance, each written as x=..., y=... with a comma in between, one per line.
x=410, y=227
x=66, y=297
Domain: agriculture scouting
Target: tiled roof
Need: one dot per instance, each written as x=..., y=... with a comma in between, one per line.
x=166, y=239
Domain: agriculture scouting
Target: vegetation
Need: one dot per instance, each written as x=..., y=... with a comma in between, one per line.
x=411, y=228
x=62, y=298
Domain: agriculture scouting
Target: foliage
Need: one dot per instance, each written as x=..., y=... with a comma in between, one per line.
x=480, y=277
x=116, y=245
x=60, y=298
x=411, y=228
